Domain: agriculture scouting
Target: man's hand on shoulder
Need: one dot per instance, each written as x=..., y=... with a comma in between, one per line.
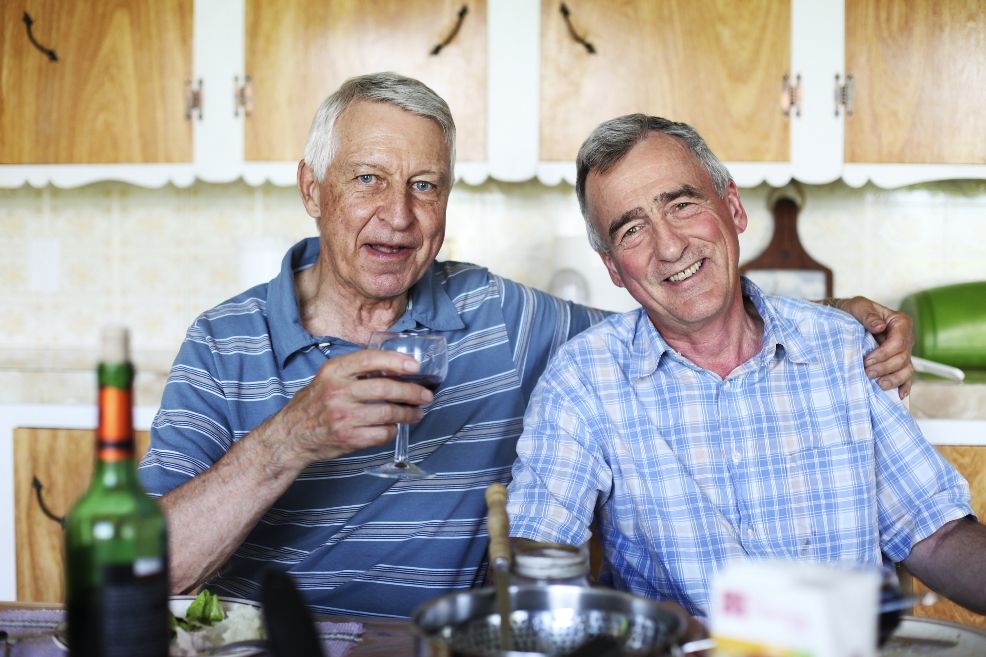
x=890, y=363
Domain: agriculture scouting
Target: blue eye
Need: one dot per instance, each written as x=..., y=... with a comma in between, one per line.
x=366, y=178
x=423, y=186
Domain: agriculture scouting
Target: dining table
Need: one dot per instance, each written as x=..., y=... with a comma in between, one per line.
x=389, y=637
x=380, y=637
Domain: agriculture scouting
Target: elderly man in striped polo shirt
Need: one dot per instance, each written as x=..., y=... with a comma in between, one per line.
x=264, y=434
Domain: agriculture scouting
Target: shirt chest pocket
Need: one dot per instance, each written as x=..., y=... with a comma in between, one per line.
x=833, y=428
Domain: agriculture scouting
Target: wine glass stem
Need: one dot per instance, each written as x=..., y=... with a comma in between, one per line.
x=400, y=447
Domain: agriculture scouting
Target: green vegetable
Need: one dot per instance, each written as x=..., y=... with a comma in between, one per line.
x=205, y=610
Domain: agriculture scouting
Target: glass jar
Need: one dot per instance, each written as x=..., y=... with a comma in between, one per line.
x=550, y=563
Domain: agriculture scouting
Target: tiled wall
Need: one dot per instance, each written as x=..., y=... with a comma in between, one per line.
x=74, y=259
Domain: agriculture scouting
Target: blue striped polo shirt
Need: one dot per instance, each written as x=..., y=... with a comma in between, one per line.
x=355, y=543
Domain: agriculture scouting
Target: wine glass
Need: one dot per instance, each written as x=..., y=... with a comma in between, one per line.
x=431, y=352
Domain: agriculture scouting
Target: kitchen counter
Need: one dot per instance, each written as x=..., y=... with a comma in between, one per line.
x=68, y=376
x=950, y=413
x=936, y=398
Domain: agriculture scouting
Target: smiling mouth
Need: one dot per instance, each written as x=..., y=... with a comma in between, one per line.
x=388, y=249
x=687, y=273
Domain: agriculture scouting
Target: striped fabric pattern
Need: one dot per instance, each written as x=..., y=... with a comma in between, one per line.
x=358, y=544
x=795, y=454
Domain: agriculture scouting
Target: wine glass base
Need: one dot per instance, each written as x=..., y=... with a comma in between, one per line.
x=400, y=471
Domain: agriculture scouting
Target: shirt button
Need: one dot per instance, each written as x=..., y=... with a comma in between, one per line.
x=737, y=457
x=750, y=533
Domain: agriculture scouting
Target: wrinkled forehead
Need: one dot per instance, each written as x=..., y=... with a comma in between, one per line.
x=654, y=165
x=377, y=115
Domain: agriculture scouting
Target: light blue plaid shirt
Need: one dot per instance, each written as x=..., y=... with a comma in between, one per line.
x=796, y=454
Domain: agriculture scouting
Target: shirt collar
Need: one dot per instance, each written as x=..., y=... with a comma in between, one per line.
x=780, y=337
x=430, y=306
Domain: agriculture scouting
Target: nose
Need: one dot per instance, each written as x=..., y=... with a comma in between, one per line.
x=669, y=244
x=396, y=209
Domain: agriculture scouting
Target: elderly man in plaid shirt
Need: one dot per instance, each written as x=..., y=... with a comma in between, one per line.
x=715, y=421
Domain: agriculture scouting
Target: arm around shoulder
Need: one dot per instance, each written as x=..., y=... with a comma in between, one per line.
x=890, y=363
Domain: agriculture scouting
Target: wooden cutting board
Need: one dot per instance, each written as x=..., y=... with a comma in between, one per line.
x=786, y=255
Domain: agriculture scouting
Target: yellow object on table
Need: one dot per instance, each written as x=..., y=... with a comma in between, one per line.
x=792, y=609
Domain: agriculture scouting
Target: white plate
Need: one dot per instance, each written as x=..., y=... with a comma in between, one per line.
x=925, y=637
x=178, y=604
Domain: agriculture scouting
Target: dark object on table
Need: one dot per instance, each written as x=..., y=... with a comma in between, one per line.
x=888, y=621
x=892, y=604
x=602, y=645
x=290, y=628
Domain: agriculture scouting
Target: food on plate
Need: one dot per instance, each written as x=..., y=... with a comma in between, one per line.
x=210, y=621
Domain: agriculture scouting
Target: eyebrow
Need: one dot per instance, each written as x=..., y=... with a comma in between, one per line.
x=661, y=199
x=685, y=190
x=623, y=220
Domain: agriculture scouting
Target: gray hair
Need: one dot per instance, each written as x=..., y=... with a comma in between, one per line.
x=403, y=92
x=612, y=140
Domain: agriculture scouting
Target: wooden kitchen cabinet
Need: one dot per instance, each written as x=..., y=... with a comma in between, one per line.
x=917, y=71
x=525, y=93
x=61, y=460
x=698, y=61
x=95, y=82
x=918, y=75
x=299, y=51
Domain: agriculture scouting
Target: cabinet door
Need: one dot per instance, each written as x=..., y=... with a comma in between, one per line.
x=114, y=92
x=970, y=461
x=705, y=62
x=919, y=78
x=61, y=461
x=300, y=51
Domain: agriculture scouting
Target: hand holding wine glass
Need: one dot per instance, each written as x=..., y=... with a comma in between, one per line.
x=431, y=352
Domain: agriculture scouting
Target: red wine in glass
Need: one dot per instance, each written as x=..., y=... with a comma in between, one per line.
x=429, y=381
x=431, y=352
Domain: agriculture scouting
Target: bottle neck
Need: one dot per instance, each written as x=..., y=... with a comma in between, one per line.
x=115, y=432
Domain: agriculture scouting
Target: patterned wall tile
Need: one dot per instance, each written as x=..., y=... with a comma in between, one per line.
x=155, y=258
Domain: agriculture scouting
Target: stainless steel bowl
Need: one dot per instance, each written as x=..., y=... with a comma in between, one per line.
x=550, y=620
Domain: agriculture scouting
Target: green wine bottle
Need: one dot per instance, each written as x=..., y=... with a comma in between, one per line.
x=116, y=583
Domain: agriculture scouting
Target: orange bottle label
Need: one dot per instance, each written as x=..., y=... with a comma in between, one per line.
x=115, y=432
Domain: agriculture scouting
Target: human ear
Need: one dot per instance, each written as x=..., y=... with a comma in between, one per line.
x=309, y=190
x=614, y=275
x=736, y=209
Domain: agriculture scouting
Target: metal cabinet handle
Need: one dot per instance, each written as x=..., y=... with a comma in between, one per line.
x=566, y=14
x=37, y=485
x=28, y=25
x=455, y=30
